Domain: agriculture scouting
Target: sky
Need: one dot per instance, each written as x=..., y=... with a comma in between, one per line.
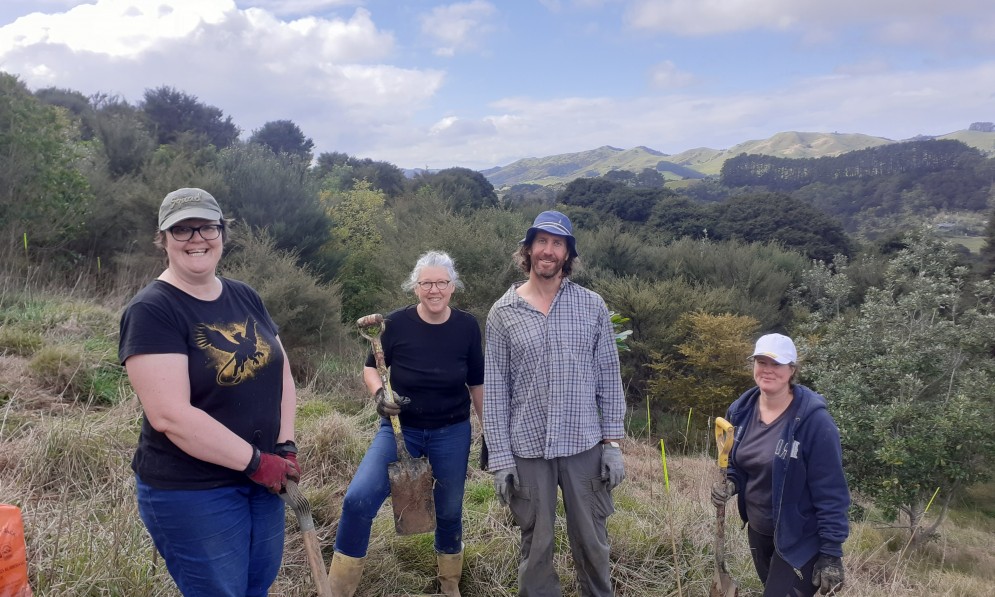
x=483, y=83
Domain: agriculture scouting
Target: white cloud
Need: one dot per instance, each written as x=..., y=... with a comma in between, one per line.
x=458, y=27
x=706, y=17
x=666, y=75
x=711, y=17
x=459, y=131
x=897, y=109
x=557, y=5
x=328, y=75
x=296, y=7
x=341, y=79
x=113, y=27
x=866, y=67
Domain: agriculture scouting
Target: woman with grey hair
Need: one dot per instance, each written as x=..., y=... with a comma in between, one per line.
x=436, y=363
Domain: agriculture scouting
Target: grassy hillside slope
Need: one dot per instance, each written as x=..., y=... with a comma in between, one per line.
x=698, y=162
x=563, y=168
x=66, y=443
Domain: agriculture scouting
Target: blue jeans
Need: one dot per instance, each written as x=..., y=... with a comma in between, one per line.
x=224, y=542
x=447, y=449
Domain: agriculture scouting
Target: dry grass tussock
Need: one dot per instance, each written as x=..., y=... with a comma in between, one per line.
x=69, y=472
x=65, y=456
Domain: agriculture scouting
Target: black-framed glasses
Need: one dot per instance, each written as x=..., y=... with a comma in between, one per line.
x=206, y=232
x=441, y=285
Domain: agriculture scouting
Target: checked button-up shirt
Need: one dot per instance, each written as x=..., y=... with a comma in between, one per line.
x=552, y=385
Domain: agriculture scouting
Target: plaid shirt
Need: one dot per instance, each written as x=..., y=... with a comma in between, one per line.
x=552, y=385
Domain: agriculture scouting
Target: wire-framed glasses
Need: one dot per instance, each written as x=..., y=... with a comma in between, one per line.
x=206, y=232
x=441, y=285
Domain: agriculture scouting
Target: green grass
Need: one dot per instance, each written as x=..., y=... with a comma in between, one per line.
x=973, y=244
x=19, y=341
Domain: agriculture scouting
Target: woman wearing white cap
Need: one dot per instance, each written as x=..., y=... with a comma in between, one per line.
x=218, y=401
x=786, y=465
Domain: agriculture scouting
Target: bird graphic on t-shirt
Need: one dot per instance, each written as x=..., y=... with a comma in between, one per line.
x=242, y=345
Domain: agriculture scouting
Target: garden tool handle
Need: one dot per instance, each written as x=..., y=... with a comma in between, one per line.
x=724, y=434
x=367, y=322
x=376, y=322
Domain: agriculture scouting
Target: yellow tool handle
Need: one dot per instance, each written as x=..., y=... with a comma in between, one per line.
x=724, y=434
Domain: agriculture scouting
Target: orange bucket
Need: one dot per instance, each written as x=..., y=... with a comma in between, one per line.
x=13, y=555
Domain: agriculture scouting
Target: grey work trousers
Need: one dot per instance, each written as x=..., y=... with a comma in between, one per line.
x=587, y=503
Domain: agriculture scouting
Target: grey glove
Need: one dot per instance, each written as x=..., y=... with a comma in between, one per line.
x=389, y=408
x=503, y=480
x=612, y=468
x=827, y=574
x=722, y=491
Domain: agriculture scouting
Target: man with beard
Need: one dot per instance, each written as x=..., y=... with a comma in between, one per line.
x=553, y=410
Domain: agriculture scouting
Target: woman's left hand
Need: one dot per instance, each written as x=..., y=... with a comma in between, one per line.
x=827, y=574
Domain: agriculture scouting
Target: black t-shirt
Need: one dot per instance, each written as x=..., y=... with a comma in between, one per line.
x=432, y=364
x=235, y=368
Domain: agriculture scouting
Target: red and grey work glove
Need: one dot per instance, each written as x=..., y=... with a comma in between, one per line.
x=389, y=408
x=722, y=491
x=612, y=468
x=288, y=451
x=271, y=471
x=504, y=480
x=827, y=574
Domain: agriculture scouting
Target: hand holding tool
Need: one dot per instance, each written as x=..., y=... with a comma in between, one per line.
x=271, y=471
x=723, y=584
x=411, y=482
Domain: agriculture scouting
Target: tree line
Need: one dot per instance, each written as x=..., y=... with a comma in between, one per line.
x=872, y=190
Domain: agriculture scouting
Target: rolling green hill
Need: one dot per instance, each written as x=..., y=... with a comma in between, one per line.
x=563, y=168
x=783, y=145
x=699, y=162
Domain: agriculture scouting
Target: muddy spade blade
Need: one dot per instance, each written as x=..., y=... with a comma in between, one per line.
x=411, y=496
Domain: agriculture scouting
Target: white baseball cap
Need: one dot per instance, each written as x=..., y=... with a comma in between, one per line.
x=777, y=347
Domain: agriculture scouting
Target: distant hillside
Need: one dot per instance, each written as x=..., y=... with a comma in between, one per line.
x=699, y=162
x=563, y=168
x=782, y=145
x=985, y=141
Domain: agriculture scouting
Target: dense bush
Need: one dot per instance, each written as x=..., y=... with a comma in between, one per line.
x=711, y=369
x=911, y=381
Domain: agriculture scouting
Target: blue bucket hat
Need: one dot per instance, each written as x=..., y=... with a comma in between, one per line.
x=552, y=222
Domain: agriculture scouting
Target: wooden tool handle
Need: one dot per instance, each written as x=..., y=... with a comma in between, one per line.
x=366, y=324
x=316, y=563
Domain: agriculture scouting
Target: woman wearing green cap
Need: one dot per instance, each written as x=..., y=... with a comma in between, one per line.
x=218, y=400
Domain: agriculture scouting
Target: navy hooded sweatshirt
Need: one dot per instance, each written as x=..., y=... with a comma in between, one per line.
x=810, y=494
